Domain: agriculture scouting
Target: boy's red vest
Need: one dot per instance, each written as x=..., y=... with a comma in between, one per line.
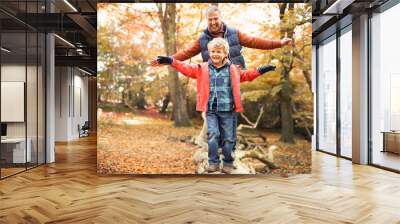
x=201, y=73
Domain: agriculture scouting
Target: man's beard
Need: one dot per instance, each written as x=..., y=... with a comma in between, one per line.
x=217, y=32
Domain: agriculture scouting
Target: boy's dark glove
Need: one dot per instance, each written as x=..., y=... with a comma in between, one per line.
x=164, y=60
x=266, y=68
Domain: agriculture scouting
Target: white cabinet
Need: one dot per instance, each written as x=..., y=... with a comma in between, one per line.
x=18, y=149
x=12, y=101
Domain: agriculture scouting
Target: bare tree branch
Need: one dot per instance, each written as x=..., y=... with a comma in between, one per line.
x=302, y=22
x=252, y=125
x=152, y=19
x=307, y=129
x=161, y=17
x=306, y=73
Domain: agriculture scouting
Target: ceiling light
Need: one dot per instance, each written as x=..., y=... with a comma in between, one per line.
x=79, y=51
x=338, y=6
x=64, y=40
x=70, y=5
x=5, y=50
x=86, y=72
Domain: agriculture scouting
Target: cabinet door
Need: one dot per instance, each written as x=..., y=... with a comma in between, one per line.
x=393, y=142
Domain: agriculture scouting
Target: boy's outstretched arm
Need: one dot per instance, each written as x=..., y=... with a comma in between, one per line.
x=191, y=71
x=182, y=55
x=250, y=75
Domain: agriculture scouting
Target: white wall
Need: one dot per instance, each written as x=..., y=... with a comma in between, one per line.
x=360, y=89
x=314, y=90
x=12, y=73
x=34, y=124
x=80, y=114
x=62, y=80
x=71, y=94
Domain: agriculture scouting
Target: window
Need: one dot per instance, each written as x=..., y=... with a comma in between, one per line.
x=346, y=92
x=327, y=95
x=22, y=68
x=385, y=88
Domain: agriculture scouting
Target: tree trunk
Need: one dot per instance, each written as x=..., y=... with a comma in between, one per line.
x=168, y=25
x=287, y=127
x=165, y=103
x=141, y=101
x=307, y=77
x=99, y=92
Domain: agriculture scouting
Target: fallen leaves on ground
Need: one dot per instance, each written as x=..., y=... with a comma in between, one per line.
x=136, y=144
x=142, y=145
x=291, y=158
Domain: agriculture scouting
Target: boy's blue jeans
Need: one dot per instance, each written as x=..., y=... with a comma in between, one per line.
x=221, y=134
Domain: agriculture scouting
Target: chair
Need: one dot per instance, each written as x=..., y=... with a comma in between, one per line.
x=84, y=130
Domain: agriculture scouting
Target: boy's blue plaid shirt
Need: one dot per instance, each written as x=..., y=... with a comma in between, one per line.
x=221, y=96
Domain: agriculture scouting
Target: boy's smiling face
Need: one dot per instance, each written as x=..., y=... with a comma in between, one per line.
x=217, y=55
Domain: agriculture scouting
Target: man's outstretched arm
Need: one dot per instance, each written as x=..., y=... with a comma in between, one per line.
x=189, y=52
x=261, y=43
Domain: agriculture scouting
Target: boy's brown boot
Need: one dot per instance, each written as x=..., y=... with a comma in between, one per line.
x=227, y=169
x=212, y=168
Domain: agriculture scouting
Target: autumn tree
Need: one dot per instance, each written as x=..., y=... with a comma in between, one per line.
x=288, y=22
x=135, y=34
x=166, y=15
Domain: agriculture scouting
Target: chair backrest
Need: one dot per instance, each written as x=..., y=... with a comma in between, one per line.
x=86, y=125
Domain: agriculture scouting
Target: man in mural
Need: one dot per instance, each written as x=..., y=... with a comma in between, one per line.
x=236, y=40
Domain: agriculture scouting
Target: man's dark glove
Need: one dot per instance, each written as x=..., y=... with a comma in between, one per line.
x=266, y=68
x=164, y=60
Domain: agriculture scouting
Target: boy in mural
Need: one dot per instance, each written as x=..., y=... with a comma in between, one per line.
x=218, y=94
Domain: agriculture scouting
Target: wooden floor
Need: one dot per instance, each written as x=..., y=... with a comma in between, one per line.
x=70, y=191
x=10, y=171
x=387, y=159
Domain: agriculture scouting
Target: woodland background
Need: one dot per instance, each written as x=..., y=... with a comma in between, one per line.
x=133, y=96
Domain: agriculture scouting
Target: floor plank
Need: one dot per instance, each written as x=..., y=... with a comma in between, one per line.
x=70, y=191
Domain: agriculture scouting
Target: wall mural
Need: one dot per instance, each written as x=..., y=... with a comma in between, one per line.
x=190, y=88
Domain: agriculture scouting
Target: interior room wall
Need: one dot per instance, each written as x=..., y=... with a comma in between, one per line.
x=92, y=103
x=360, y=90
x=314, y=90
x=15, y=73
x=62, y=80
x=71, y=102
x=80, y=102
x=50, y=96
